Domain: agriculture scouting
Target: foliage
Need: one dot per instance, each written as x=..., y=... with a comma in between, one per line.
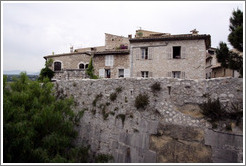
x=141, y=101
x=230, y=59
x=103, y=158
x=46, y=72
x=96, y=99
x=236, y=28
x=90, y=71
x=156, y=87
x=119, y=89
x=216, y=112
x=113, y=96
x=122, y=117
x=37, y=127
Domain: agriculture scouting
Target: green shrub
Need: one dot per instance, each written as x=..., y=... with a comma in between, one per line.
x=113, y=96
x=38, y=127
x=156, y=87
x=141, y=101
x=122, y=117
x=118, y=90
x=99, y=96
x=103, y=158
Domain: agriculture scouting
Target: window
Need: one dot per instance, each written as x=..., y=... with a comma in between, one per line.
x=81, y=66
x=86, y=66
x=107, y=73
x=144, y=52
x=176, y=74
x=109, y=60
x=211, y=52
x=176, y=52
x=145, y=74
x=57, y=66
x=121, y=72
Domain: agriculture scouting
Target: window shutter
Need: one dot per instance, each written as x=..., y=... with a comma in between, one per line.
x=183, y=52
x=139, y=74
x=150, y=52
x=169, y=53
x=183, y=75
x=150, y=74
x=138, y=51
x=106, y=60
x=126, y=73
x=111, y=60
x=169, y=74
x=101, y=73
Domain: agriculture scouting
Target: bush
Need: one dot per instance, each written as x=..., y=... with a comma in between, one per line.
x=113, y=96
x=156, y=87
x=122, y=117
x=141, y=101
x=37, y=127
x=103, y=158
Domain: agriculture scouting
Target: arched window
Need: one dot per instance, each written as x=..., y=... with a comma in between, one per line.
x=81, y=66
x=86, y=66
x=57, y=66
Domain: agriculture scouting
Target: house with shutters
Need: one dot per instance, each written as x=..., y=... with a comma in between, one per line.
x=148, y=54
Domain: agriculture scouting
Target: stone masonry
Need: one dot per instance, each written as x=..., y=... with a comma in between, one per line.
x=170, y=129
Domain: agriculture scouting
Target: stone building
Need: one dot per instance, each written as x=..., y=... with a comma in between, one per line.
x=166, y=55
x=148, y=54
x=214, y=68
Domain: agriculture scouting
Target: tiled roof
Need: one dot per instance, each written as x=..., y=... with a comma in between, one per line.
x=65, y=54
x=107, y=52
x=207, y=38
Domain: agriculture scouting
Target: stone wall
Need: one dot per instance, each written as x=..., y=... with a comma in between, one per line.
x=114, y=41
x=120, y=62
x=70, y=74
x=161, y=63
x=170, y=128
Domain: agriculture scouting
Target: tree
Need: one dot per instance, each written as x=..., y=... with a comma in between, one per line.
x=46, y=71
x=90, y=71
x=232, y=59
x=37, y=125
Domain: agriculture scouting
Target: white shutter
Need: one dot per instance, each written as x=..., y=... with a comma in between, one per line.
x=106, y=60
x=111, y=60
x=139, y=74
x=101, y=73
x=169, y=53
x=126, y=73
x=183, y=52
x=183, y=75
x=150, y=52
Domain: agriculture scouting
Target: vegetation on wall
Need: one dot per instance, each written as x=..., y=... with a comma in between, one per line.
x=156, y=87
x=141, y=101
x=216, y=112
x=90, y=71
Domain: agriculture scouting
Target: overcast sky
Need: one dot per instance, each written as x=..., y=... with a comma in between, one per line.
x=33, y=30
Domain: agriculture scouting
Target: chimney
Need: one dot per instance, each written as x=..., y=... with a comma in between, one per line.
x=194, y=32
x=71, y=49
x=129, y=36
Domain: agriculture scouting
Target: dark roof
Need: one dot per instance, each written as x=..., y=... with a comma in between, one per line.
x=207, y=38
x=65, y=54
x=108, y=52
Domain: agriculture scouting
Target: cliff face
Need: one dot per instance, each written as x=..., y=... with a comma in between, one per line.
x=170, y=128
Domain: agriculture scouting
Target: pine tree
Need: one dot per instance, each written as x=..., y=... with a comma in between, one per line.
x=230, y=59
x=90, y=71
x=38, y=126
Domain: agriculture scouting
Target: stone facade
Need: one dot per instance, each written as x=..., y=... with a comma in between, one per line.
x=161, y=63
x=120, y=62
x=182, y=56
x=170, y=128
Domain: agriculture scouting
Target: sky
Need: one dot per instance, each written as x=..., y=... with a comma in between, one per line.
x=32, y=30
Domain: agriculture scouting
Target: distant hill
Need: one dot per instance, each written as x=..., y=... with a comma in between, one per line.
x=17, y=72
